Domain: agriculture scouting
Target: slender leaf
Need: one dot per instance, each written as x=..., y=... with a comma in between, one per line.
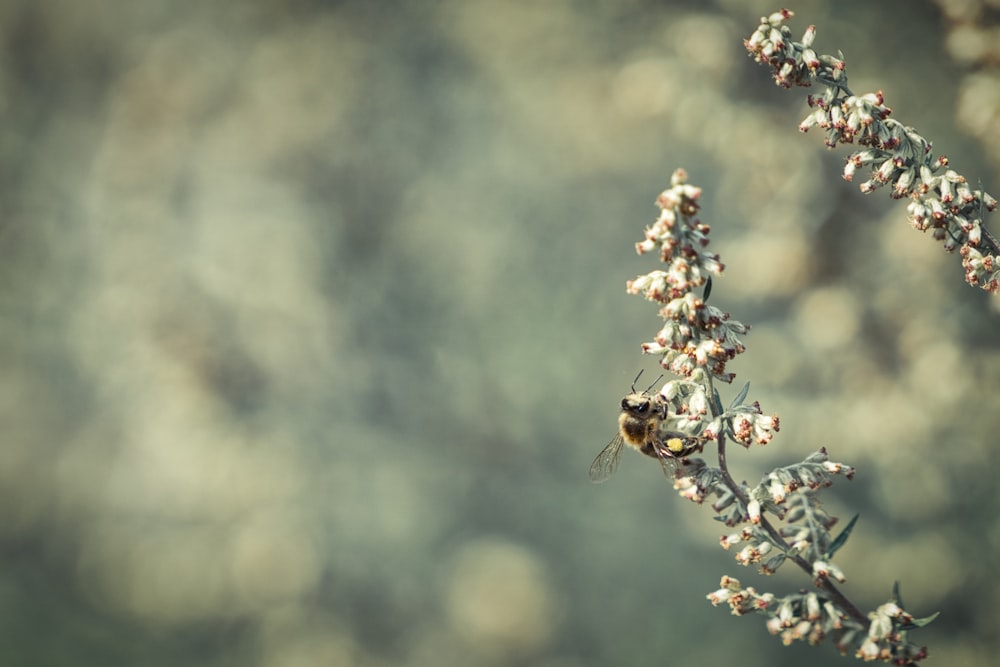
x=926, y=620
x=740, y=396
x=842, y=538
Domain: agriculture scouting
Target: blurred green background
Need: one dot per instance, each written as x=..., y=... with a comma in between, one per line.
x=313, y=318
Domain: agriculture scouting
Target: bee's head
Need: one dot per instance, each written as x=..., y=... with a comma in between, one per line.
x=638, y=404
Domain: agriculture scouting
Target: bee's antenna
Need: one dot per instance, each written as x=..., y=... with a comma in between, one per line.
x=636, y=380
x=647, y=388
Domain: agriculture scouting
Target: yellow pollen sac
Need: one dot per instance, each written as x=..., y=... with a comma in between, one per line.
x=676, y=445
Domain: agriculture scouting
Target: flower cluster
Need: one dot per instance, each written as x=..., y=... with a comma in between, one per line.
x=695, y=342
x=794, y=63
x=694, y=335
x=789, y=494
x=688, y=405
x=894, y=154
x=748, y=424
x=695, y=480
x=814, y=473
x=886, y=639
x=813, y=616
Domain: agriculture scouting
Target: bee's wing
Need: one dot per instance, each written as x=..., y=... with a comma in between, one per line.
x=607, y=461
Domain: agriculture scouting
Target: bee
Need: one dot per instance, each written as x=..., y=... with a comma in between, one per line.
x=639, y=427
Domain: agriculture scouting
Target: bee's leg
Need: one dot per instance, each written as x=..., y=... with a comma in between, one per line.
x=656, y=449
x=668, y=469
x=653, y=448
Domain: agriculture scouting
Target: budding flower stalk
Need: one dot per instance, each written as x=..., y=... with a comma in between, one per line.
x=894, y=154
x=695, y=342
